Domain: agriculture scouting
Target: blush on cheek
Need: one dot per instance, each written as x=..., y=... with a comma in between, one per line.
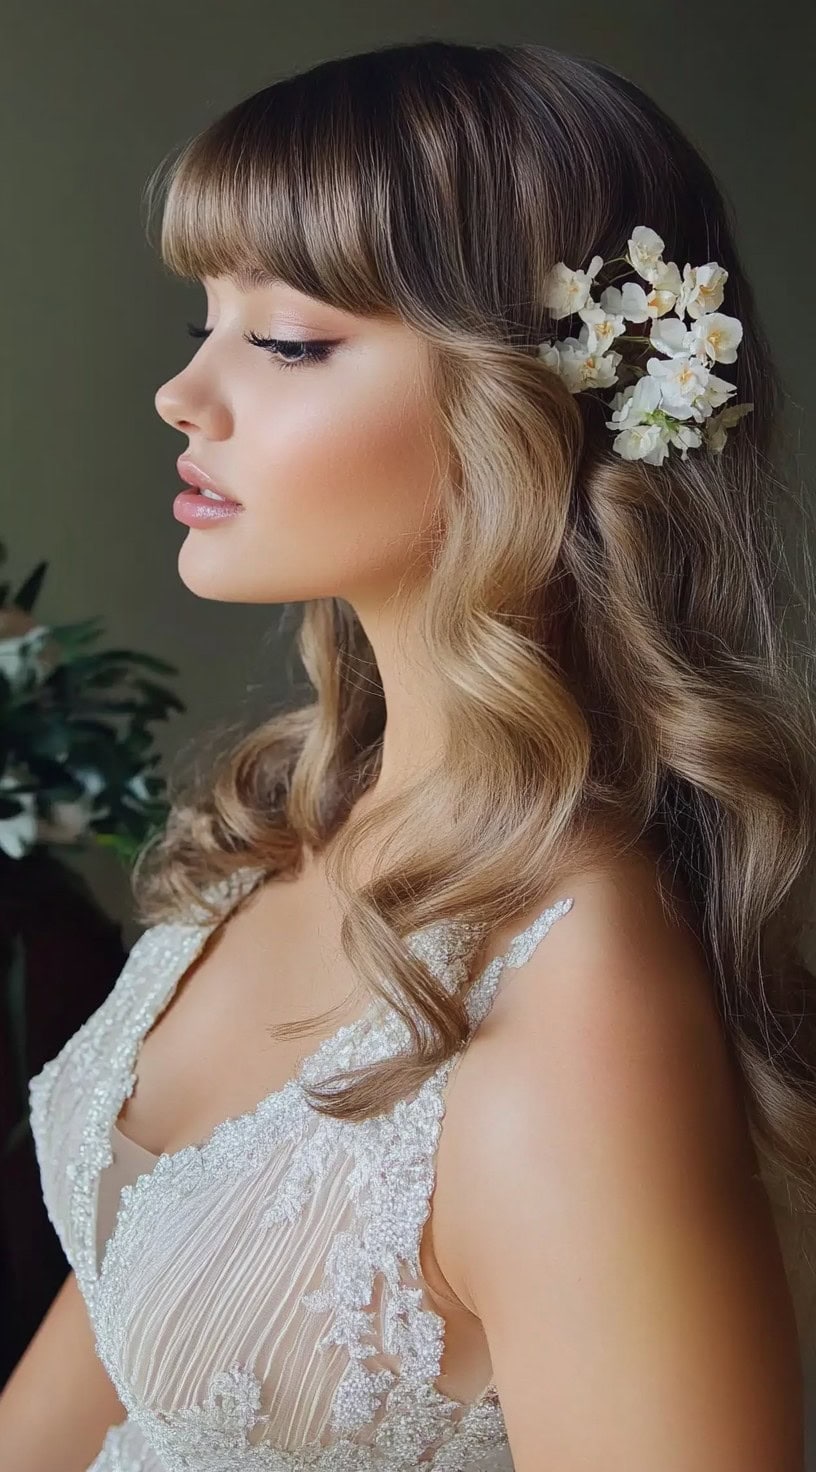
x=377, y=473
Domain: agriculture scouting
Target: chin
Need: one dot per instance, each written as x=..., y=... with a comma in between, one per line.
x=208, y=576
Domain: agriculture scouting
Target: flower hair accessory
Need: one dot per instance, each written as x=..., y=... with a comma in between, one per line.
x=653, y=412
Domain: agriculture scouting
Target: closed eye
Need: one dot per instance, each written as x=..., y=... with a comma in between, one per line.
x=311, y=350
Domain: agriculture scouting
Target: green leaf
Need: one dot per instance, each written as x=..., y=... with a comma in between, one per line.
x=50, y=741
x=74, y=636
x=89, y=727
x=27, y=595
x=148, y=661
x=158, y=692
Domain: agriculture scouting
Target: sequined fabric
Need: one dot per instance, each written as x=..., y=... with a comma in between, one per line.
x=258, y=1302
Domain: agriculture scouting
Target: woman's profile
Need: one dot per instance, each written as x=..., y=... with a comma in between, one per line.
x=455, y=1109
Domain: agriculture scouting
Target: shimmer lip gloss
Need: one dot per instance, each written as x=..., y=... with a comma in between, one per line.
x=196, y=508
x=201, y=502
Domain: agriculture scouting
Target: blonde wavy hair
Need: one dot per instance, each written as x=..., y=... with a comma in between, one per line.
x=609, y=635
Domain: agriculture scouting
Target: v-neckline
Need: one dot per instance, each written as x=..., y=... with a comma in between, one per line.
x=249, y=879
x=378, y=1013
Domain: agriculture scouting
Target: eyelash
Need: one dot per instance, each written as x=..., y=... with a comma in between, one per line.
x=313, y=351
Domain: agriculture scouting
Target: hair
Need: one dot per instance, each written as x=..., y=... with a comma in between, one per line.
x=608, y=636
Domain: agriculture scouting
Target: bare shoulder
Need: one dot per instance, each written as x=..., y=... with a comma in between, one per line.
x=623, y=1258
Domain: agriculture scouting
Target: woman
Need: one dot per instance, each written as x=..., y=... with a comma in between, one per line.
x=550, y=702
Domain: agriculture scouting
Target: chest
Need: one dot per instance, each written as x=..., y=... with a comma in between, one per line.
x=224, y=1040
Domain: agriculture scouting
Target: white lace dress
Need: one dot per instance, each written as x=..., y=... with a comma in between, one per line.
x=257, y=1300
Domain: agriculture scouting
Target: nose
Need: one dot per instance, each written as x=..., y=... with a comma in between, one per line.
x=166, y=404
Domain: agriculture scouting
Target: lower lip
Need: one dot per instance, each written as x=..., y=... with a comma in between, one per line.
x=197, y=510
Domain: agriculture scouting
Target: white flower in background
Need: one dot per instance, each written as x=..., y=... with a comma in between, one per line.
x=19, y=656
x=649, y=415
x=137, y=787
x=567, y=291
x=18, y=833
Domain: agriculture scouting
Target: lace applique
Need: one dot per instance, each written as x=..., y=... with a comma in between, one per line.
x=125, y=1449
x=225, y=1429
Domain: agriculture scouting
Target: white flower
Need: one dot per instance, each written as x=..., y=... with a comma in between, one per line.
x=91, y=779
x=645, y=252
x=648, y=442
x=716, y=336
x=18, y=833
x=635, y=403
x=567, y=291
x=682, y=381
x=686, y=438
x=136, y=785
x=667, y=280
x=649, y=416
x=717, y=390
x=671, y=336
x=630, y=303
x=641, y=437
x=604, y=326
x=637, y=305
x=581, y=368
x=702, y=289
x=550, y=356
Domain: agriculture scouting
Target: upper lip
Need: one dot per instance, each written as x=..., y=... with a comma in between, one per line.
x=192, y=475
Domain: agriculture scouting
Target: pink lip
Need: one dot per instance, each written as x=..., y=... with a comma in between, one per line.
x=194, y=509
x=193, y=476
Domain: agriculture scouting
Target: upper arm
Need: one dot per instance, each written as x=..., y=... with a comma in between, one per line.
x=58, y=1404
x=622, y=1257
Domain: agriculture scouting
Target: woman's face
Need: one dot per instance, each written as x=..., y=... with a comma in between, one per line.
x=335, y=461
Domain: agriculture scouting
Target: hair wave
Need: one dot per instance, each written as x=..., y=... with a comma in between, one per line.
x=609, y=635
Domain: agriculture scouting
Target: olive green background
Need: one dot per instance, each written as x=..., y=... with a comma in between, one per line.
x=94, y=95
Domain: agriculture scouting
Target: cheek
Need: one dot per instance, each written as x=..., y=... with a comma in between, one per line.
x=357, y=482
